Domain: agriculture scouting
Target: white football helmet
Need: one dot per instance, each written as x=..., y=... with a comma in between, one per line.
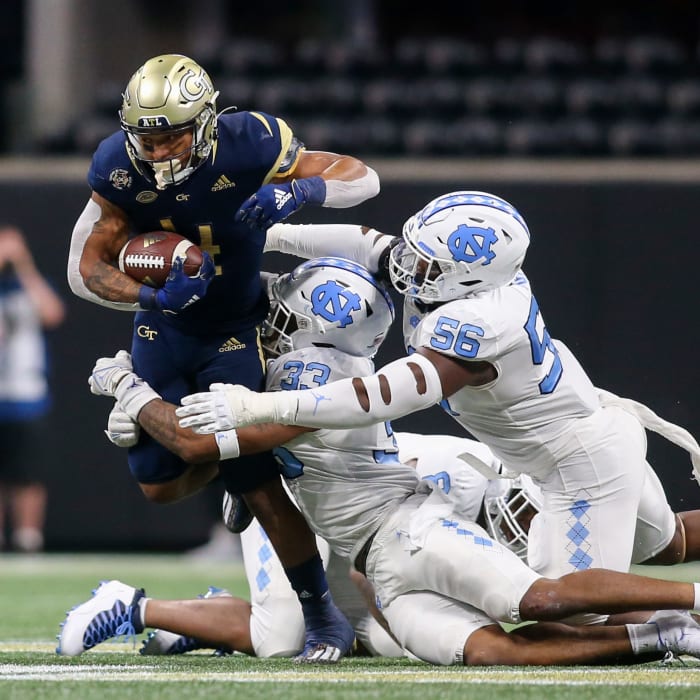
x=509, y=506
x=459, y=244
x=328, y=302
x=169, y=94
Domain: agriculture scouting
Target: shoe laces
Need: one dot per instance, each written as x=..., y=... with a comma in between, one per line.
x=116, y=622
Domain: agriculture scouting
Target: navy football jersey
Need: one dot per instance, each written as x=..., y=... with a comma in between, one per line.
x=252, y=147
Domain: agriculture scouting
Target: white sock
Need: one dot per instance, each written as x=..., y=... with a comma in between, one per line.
x=696, y=603
x=142, y=610
x=644, y=638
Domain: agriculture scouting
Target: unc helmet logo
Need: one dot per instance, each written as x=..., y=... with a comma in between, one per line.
x=470, y=243
x=335, y=303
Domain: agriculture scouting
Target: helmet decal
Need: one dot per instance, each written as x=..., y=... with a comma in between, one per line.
x=483, y=199
x=470, y=243
x=333, y=302
x=328, y=302
x=193, y=86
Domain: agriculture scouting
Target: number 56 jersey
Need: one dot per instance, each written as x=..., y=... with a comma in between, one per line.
x=526, y=414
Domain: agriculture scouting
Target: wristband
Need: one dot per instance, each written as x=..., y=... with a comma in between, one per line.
x=313, y=189
x=133, y=394
x=227, y=442
x=148, y=298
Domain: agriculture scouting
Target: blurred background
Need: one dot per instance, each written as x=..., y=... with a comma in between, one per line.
x=585, y=115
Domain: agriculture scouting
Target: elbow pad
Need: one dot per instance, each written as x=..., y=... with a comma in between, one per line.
x=403, y=386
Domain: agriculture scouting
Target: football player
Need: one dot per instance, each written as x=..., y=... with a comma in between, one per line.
x=220, y=179
x=441, y=582
x=479, y=346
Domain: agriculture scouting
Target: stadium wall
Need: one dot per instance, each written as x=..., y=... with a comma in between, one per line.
x=612, y=263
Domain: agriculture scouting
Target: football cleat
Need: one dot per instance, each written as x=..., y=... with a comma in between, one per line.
x=112, y=611
x=329, y=636
x=236, y=515
x=678, y=632
x=162, y=642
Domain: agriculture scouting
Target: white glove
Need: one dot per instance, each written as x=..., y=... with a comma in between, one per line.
x=112, y=376
x=122, y=431
x=224, y=407
x=108, y=372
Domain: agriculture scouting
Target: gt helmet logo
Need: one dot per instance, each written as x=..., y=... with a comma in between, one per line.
x=193, y=85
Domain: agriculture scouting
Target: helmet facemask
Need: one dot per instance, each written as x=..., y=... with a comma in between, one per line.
x=509, y=510
x=280, y=323
x=416, y=273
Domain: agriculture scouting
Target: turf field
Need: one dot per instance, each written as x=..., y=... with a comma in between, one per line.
x=36, y=591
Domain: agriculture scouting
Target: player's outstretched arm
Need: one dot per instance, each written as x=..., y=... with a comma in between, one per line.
x=139, y=405
x=399, y=388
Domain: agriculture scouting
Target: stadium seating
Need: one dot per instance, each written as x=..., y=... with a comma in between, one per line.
x=539, y=96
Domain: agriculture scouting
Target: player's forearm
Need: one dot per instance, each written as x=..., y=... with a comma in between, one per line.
x=158, y=419
x=361, y=244
x=399, y=388
x=254, y=439
x=109, y=284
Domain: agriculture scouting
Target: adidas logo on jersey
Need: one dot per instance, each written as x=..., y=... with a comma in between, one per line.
x=231, y=344
x=223, y=183
x=281, y=198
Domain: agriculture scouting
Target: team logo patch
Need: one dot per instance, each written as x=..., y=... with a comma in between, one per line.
x=120, y=179
x=146, y=197
x=333, y=302
x=471, y=243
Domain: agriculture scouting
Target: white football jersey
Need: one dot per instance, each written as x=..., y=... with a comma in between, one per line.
x=438, y=460
x=525, y=414
x=345, y=481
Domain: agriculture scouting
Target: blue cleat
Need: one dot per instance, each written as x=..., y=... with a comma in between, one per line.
x=162, y=642
x=112, y=611
x=329, y=636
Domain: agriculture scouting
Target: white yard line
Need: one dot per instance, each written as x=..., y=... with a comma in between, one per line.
x=667, y=677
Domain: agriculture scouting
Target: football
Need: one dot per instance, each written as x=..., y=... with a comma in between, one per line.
x=148, y=257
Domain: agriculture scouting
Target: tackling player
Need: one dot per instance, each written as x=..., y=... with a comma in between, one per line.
x=441, y=582
x=479, y=346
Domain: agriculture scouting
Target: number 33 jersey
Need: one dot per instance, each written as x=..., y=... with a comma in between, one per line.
x=526, y=414
x=345, y=481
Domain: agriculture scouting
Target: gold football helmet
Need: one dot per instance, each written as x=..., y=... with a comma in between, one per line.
x=169, y=94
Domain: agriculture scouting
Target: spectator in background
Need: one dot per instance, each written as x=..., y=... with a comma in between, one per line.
x=28, y=306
